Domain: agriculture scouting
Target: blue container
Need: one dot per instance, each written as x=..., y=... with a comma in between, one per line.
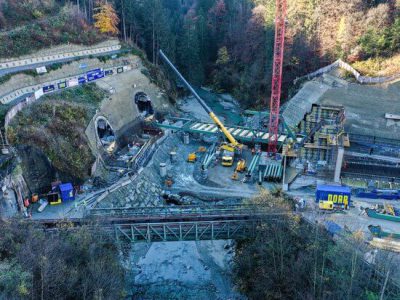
x=337, y=194
x=67, y=192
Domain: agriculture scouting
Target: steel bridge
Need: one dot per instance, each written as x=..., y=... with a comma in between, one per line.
x=243, y=134
x=180, y=223
x=186, y=231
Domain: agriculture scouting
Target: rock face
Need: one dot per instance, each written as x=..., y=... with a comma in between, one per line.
x=37, y=170
x=55, y=129
x=183, y=270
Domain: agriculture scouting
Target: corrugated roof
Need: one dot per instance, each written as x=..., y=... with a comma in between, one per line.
x=302, y=102
x=334, y=188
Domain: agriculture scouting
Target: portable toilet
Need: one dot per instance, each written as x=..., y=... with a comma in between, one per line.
x=67, y=192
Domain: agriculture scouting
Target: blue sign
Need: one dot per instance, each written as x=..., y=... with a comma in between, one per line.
x=95, y=76
x=81, y=80
x=48, y=88
x=82, y=66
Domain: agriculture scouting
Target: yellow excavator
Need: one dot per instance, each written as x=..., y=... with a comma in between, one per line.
x=228, y=148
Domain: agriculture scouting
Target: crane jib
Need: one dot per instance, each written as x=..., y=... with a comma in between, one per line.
x=215, y=119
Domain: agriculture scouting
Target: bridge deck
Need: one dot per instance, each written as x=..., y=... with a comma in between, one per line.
x=243, y=134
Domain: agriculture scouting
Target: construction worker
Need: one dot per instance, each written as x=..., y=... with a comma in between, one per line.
x=253, y=151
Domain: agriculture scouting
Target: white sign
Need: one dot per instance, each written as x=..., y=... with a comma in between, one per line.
x=73, y=82
x=41, y=70
x=39, y=93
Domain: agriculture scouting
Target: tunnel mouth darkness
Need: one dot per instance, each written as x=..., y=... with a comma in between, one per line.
x=143, y=103
x=106, y=134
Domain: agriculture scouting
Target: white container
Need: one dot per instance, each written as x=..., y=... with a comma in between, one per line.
x=186, y=138
x=172, y=156
x=163, y=169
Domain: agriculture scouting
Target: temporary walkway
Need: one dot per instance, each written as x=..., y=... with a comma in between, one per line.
x=243, y=134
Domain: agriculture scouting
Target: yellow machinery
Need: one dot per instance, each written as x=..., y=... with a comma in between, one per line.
x=233, y=143
x=389, y=209
x=192, y=157
x=235, y=176
x=330, y=206
x=241, y=166
x=325, y=205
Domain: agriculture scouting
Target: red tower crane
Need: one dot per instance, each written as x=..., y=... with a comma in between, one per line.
x=280, y=26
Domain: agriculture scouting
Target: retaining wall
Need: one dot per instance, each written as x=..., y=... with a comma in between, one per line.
x=361, y=79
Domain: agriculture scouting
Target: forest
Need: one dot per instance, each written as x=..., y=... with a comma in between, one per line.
x=228, y=44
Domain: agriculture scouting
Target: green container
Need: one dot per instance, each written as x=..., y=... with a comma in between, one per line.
x=372, y=213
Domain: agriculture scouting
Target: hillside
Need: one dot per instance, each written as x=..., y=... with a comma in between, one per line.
x=48, y=134
x=32, y=25
x=228, y=44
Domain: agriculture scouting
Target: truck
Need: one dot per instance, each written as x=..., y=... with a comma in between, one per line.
x=228, y=155
x=333, y=197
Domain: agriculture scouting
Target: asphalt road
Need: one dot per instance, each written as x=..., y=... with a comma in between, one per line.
x=34, y=66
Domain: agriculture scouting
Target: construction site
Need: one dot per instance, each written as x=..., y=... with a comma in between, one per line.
x=184, y=169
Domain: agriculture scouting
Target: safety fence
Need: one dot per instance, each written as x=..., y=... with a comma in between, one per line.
x=345, y=66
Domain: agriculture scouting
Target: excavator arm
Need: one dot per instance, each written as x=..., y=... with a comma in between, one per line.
x=213, y=117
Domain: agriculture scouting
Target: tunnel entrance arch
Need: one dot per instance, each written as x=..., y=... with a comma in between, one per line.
x=143, y=104
x=105, y=134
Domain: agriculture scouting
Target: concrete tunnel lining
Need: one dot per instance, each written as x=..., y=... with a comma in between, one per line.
x=104, y=131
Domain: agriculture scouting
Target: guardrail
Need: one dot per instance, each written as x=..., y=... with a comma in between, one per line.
x=15, y=63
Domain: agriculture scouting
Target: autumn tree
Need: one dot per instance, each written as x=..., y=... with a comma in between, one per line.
x=106, y=19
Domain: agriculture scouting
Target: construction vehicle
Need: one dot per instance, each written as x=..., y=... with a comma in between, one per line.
x=192, y=157
x=241, y=166
x=228, y=155
x=229, y=149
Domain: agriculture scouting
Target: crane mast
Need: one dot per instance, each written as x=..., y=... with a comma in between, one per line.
x=279, y=45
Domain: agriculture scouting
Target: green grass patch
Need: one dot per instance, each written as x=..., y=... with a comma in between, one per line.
x=5, y=78
x=88, y=94
x=379, y=66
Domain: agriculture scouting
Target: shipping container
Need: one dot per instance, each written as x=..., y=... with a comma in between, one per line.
x=337, y=194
